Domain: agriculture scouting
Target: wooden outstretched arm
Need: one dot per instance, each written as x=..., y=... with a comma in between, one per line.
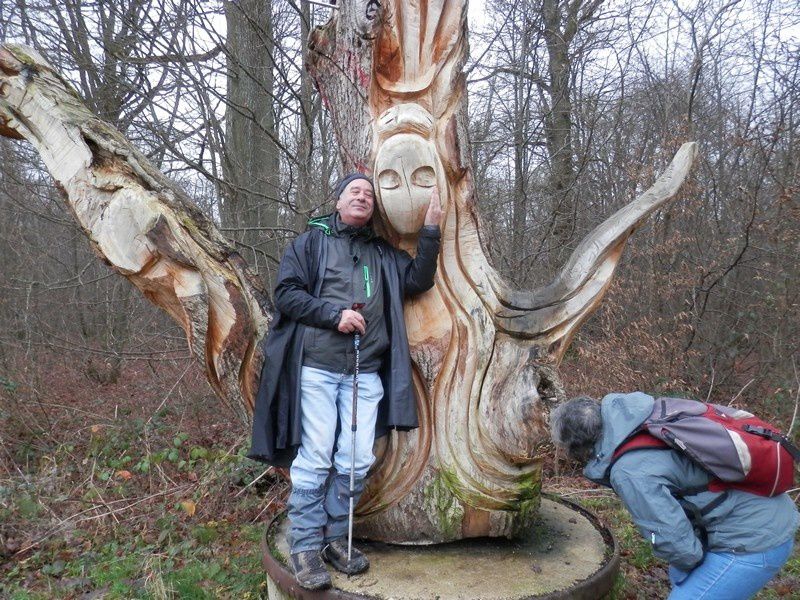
x=553, y=313
x=142, y=224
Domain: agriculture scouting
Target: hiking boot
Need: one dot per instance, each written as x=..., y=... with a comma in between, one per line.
x=336, y=554
x=310, y=571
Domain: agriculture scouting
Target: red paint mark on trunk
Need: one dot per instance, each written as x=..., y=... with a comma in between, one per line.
x=362, y=76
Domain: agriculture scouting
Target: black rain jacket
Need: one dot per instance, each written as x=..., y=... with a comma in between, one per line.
x=276, y=419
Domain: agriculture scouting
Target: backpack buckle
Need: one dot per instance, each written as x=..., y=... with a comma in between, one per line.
x=758, y=430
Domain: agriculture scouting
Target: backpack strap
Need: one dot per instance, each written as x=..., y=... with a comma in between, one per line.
x=696, y=511
x=663, y=403
x=714, y=503
x=694, y=514
x=639, y=440
x=775, y=437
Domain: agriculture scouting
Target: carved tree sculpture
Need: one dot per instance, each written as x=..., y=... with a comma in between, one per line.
x=485, y=355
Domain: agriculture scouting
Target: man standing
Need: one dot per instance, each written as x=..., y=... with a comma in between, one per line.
x=336, y=280
x=720, y=545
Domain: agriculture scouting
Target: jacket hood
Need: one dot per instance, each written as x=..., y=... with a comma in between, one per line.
x=621, y=414
x=331, y=224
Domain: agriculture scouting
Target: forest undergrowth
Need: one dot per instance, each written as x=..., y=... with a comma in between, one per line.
x=140, y=488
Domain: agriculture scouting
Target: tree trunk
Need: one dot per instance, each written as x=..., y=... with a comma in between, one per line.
x=522, y=93
x=485, y=355
x=309, y=192
x=251, y=163
x=560, y=19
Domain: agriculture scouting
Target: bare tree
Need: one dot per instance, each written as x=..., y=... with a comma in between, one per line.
x=251, y=160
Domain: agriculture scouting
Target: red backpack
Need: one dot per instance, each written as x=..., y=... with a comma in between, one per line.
x=741, y=451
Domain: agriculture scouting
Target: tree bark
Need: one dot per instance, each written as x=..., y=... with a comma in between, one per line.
x=522, y=98
x=309, y=192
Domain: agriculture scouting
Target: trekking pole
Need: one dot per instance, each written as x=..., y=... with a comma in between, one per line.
x=353, y=428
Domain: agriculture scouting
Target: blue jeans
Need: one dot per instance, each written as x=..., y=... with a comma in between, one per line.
x=320, y=499
x=728, y=575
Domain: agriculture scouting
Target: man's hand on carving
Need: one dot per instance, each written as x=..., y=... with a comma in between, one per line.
x=352, y=321
x=434, y=214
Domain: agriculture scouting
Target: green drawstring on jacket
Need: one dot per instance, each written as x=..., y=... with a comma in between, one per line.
x=367, y=284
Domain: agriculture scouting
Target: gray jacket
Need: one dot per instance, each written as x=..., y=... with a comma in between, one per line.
x=649, y=481
x=276, y=417
x=352, y=257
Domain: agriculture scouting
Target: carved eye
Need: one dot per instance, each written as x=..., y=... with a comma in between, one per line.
x=389, y=179
x=424, y=177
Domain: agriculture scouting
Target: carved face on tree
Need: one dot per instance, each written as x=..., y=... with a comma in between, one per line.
x=407, y=167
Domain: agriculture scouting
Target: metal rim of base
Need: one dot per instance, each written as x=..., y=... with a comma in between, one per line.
x=595, y=586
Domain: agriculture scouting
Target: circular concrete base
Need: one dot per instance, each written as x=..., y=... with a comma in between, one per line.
x=567, y=555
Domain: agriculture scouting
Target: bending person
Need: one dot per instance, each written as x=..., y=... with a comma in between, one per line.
x=719, y=545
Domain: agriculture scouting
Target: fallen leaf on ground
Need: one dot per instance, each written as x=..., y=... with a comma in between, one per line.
x=189, y=506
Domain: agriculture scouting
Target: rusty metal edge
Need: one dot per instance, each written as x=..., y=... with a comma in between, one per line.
x=593, y=587
x=285, y=580
x=601, y=581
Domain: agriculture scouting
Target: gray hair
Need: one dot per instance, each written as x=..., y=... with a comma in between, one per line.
x=576, y=426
